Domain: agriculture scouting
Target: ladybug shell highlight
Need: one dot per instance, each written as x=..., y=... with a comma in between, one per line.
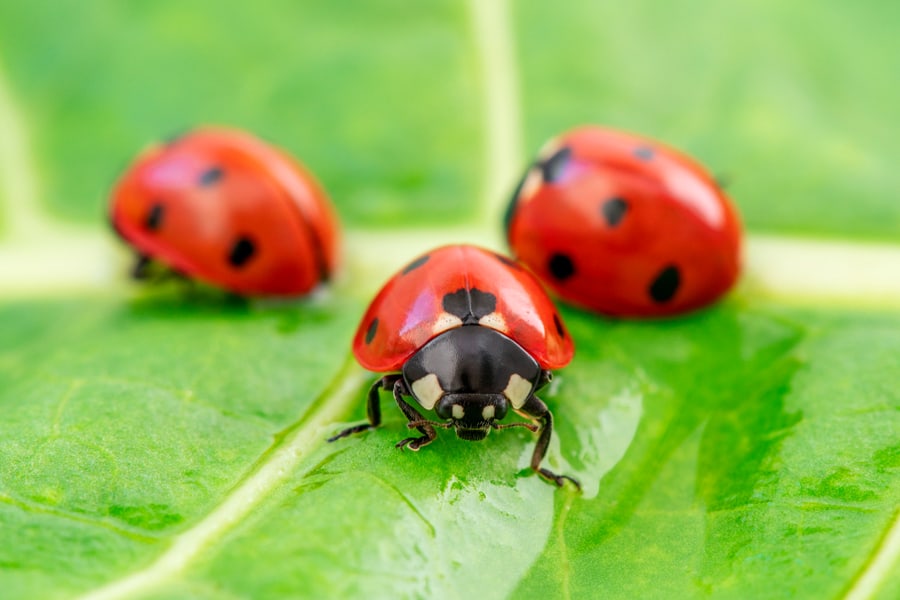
x=222, y=206
x=454, y=286
x=623, y=225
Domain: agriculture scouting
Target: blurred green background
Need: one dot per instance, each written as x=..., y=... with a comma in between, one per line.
x=792, y=102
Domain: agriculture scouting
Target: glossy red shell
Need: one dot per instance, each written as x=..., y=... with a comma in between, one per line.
x=669, y=242
x=409, y=309
x=219, y=186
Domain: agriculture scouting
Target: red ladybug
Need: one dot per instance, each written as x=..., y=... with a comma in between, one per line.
x=623, y=225
x=221, y=206
x=472, y=334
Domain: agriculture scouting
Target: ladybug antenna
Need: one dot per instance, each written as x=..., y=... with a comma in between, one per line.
x=529, y=426
x=423, y=423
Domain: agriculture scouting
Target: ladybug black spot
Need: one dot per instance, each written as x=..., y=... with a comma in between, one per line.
x=483, y=303
x=559, y=326
x=644, y=152
x=154, y=217
x=552, y=168
x=613, y=210
x=470, y=305
x=211, y=176
x=508, y=261
x=370, y=332
x=665, y=284
x=415, y=264
x=561, y=267
x=242, y=251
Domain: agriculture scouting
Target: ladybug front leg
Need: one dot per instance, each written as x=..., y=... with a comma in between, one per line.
x=413, y=443
x=373, y=405
x=147, y=269
x=536, y=409
x=141, y=268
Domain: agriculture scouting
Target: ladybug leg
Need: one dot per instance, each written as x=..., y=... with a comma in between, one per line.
x=535, y=408
x=141, y=268
x=373, y=405
x=145, y=269
x=413, y=443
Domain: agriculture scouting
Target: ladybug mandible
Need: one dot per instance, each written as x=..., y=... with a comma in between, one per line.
x=221, y=206
x=624, y=225
x=473, y=335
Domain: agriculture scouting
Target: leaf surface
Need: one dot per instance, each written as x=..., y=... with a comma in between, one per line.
x=171, y=444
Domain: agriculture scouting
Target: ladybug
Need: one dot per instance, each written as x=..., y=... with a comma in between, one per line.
x=624, y=225
x=468, y=334
x=221, y=206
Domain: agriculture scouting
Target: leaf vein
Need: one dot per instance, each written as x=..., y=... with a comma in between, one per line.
x=879, y=566
x=44, y=508
x=253, y=489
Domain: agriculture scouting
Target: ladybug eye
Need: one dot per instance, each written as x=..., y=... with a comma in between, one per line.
x=154, y=217
x=664, y=286
x=242, y=251
x=613, y=210
x=211, y=176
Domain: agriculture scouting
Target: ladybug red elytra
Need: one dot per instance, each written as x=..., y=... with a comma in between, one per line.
x=472, y=334
x=221, y=206
x=624, y=225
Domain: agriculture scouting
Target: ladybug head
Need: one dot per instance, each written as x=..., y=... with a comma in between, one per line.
x=470, y=376
x=472, y=415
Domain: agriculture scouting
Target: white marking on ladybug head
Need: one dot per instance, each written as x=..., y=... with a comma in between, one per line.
x=495, y=321
x=487, y=413
x=458, y=412
x=535, y=177
x=427, y=390
x=532, y=182
x=517, y=390
x=549, y=148
x=444, y=322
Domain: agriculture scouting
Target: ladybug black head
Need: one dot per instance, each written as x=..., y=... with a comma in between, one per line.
x=470, y=376
x=472, y=415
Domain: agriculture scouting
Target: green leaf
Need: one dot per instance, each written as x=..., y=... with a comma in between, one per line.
x=767, y=451
x=172, y=443
x=125, y=421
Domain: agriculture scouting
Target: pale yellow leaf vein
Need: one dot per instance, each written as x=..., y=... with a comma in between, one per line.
x=329, y=408
x=501, y=116
x=18, y=179
x=881, y=565
x=37, y=253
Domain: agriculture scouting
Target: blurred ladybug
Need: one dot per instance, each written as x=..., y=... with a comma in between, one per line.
x=473, y=335
x=623, y=225
x=221, y=206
